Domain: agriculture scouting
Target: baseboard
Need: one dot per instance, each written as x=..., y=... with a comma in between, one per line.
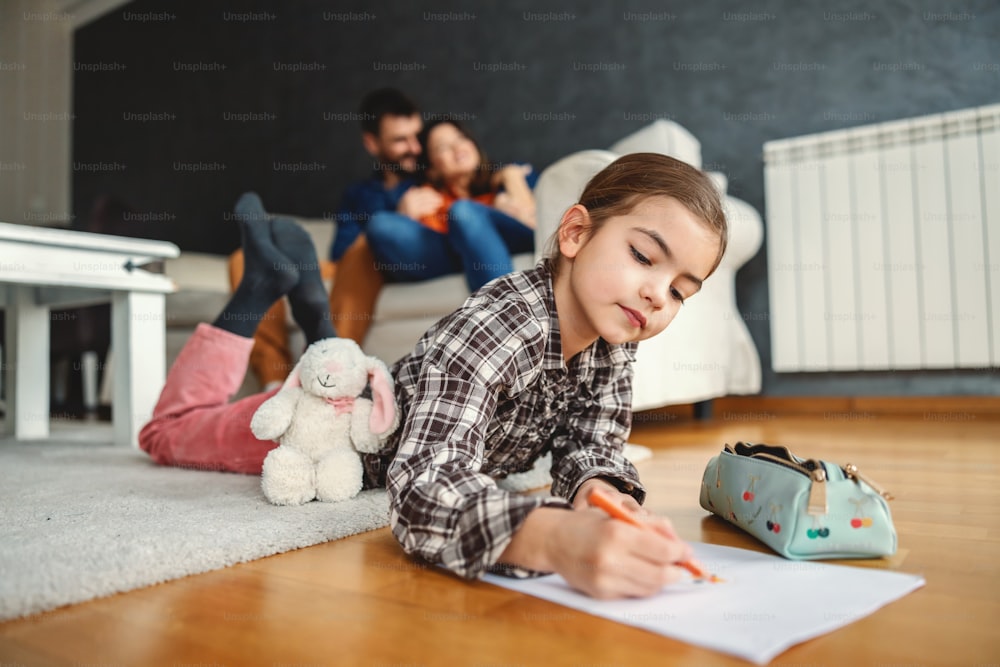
x=728, y=408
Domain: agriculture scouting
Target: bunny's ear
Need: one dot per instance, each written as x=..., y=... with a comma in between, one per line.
x=293, y=378
x=383, y=415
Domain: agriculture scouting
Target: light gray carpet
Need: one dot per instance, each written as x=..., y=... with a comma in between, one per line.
x=80, y=521
x=83, y=520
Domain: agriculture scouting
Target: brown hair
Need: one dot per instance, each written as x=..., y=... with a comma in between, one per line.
x=381, y=103
x=633, y=178
x=482, y=180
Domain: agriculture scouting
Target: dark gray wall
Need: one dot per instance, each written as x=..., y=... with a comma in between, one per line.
x=535, y=82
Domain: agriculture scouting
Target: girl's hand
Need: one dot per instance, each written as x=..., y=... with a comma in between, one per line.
x=600, y=556
x=607, y=558
x=580, y=499
x=630, y=504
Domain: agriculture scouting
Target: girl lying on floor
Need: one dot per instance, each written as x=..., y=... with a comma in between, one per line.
x=533, y=362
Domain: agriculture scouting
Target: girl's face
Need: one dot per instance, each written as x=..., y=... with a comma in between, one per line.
x=450, y=153
x=627, y=281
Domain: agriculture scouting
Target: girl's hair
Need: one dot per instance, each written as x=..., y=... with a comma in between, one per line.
x=482, y=180
x=633, y=178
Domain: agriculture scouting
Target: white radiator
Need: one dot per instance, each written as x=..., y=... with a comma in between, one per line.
x=883, y=245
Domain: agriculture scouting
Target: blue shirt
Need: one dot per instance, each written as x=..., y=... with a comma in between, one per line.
x=360, y=201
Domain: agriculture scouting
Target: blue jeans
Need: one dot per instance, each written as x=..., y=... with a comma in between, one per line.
x=479, y=242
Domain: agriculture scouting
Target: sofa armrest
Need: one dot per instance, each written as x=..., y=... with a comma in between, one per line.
x=202, y=288
x=559, y=187
x=662, y=136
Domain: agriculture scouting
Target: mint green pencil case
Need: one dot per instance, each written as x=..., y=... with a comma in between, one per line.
x=803, y=509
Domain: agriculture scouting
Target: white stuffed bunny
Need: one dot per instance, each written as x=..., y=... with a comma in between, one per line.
x=322, y=424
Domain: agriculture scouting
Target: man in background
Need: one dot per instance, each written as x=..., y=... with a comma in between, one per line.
x=390, y=123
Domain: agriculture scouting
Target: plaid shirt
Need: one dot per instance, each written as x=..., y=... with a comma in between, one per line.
x=484, y=394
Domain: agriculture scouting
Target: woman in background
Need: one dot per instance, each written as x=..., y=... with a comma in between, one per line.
x=485, y=215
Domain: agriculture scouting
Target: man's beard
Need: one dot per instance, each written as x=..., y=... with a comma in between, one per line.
x=398, y=166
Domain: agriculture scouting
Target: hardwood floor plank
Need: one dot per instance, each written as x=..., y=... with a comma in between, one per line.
x=361, y=601
x=935, y=408
x=14, y=654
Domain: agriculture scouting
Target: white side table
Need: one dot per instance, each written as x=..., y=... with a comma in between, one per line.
x=44, y=268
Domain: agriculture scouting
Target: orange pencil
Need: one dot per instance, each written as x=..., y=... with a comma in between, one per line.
x=600, y=499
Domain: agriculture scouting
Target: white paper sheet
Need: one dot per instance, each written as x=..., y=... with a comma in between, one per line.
x=766, y=604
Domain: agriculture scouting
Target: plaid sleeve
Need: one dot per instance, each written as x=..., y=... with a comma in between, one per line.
x=593, y=443
x=442, y=507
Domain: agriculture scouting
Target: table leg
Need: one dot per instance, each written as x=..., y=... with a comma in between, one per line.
x=27, y=366
x=138, y=338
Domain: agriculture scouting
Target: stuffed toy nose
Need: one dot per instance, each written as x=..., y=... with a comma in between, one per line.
x=332, y=367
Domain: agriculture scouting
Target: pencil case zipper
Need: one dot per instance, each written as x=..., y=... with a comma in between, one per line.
x=852, y=472
x=815, y=470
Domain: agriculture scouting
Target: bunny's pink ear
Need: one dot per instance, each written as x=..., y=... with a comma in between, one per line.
x=383, y=399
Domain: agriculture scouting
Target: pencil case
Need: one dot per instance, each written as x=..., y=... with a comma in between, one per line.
x=803, y=509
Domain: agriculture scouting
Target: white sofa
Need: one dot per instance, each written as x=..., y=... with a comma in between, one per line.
x=403, y=313
x=706, y=352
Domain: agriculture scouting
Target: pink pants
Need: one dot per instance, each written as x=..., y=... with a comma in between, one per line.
x=194, y=425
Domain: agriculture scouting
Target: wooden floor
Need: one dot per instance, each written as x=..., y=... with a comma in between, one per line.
x=360, y=601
